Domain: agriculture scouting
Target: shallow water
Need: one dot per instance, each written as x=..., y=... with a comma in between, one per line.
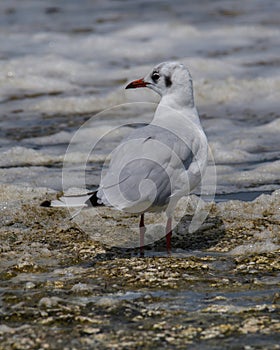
x=64, y=62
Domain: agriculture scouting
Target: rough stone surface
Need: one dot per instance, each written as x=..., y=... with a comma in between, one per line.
x=63, y=290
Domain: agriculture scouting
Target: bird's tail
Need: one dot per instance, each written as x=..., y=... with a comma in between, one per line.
x=89, y=199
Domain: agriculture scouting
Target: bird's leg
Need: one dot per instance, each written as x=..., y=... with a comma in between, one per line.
x=142, y=234
x=168, y=232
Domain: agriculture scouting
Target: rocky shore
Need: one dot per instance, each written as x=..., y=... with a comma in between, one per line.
x=63, y=287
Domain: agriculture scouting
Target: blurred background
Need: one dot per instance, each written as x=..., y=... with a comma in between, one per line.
x=64, y=61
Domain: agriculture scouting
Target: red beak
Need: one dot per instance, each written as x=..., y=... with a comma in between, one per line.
x=136, y=84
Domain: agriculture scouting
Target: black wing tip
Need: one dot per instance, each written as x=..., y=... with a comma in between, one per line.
x=46, y=204
x=94, y=200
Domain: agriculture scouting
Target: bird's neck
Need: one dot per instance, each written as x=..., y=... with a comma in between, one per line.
x=174, y=108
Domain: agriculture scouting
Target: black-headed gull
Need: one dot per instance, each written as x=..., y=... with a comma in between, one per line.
x=157, y=164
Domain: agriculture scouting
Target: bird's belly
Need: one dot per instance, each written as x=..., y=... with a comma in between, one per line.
x=144, y=207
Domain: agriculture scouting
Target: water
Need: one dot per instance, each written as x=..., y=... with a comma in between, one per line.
x=64, y=62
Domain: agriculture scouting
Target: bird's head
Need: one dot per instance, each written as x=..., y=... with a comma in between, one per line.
x=168, y=78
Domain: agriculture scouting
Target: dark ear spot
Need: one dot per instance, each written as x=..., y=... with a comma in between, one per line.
x=168, y=81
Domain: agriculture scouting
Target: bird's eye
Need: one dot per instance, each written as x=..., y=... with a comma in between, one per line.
x=155, y=76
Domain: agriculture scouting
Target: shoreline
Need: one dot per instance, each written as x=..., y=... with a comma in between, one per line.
x=218, y=289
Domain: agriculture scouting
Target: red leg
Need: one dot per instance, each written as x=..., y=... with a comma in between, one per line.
x=168, y=234
x=142, y=234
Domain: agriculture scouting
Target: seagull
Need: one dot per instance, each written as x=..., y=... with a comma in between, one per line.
x=159, y=163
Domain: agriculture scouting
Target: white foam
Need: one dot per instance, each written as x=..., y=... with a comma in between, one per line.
x=20, y=156
x=240, y=92
x=264, y=245
x=10, y=193
x=267, y=173
x=48, y=72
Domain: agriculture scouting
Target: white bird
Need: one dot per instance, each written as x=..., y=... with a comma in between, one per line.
x=157, y=164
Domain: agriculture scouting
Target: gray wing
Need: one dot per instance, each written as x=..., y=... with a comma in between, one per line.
x=172, y=141
x=146, y=169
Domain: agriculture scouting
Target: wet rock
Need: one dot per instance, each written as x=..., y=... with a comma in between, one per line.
x=30, y=285
x=90, y=330
x=53, y=275
x=81, y=288
x=107, y=302
x=6, y=329
x=46, y=302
